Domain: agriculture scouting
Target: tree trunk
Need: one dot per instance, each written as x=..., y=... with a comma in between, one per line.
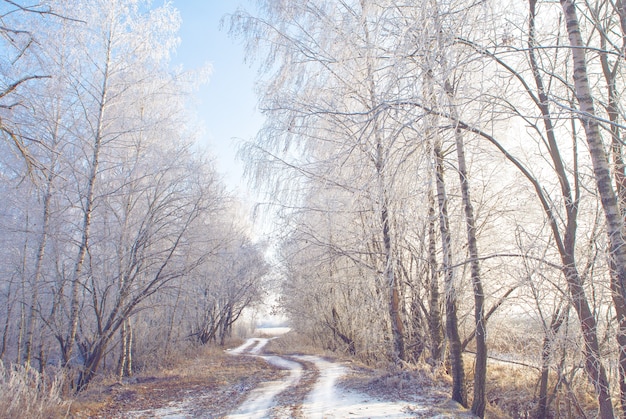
x=128, y=366
x=593, y=360
x=226, y=324
x=393, y=298
x=434, y=315
x=557, y=320
x=88, y=212
x=417, y=329
x=608, y=198
x=480, y=367
x=619, y=174
x=123, y=365
x=92, y=362
x=7, y=322
x=336, y=328
x=459, y=391
x=32, y=310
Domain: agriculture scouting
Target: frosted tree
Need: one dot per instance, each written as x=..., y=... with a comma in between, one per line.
x=19, y=66
x=113, y=113
x=338, y=130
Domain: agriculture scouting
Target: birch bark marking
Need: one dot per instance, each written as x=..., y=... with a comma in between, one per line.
x=610, y=72
x=480, y=368
x=459, y=390
x=89, y=205
x=32, y=310
x=434, y=316
x=602, y=175
x=599, y=157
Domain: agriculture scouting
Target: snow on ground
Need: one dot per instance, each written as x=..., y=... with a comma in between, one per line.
x=261, y=399
x=325, y=399
x=252, y=346
x=239, y=349
x=174, y=411
x=329, y=401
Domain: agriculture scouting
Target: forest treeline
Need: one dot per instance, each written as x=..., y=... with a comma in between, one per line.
x=120, y=243
x=449, y=177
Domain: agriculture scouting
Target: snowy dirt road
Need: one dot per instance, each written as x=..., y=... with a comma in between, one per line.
x=324, y=397
x=260, y=401
x=248, y=382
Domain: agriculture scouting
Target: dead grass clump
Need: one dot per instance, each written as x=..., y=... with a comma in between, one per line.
x=510, y=389
x=513, y=390
x=406, y=384
x=293, y=343
x=160, y=361
x=24, y=393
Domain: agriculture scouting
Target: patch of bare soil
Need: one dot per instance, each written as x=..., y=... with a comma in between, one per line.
x=216, y=383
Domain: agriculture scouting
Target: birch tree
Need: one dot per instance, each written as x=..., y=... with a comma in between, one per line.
x=326, y=129
x=602, y=173
x=571, y=196
x=359, y=108
x=121, y=210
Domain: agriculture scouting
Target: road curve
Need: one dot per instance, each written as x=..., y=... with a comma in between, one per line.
x=260, y=401
x=325, y=399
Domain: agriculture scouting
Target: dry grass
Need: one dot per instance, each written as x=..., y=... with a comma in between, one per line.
x=215, y=380
x=512, y=391
x=406, y=384
x=24, y=393
x=294, y=343
x=511, y=388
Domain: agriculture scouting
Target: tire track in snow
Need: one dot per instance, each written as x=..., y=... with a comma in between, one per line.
x=260, y=401
x=327, y=400
x=323, y=398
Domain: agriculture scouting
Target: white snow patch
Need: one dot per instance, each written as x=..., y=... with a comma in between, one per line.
x=261, y=399
x=173, y=411
x=252, y=346
x=328, y=401
x=239, y=349
x=261, y=342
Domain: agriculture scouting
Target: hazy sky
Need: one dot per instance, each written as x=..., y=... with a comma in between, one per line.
x=227, y=104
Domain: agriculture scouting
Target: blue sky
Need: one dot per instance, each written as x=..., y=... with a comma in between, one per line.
x=227, y=104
